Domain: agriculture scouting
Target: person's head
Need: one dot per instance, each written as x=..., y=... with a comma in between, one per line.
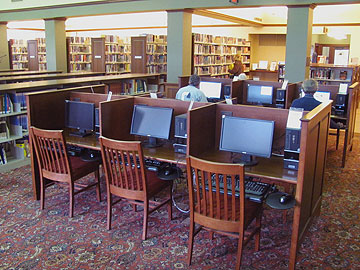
x=194, y=80
x=310, y=86
x=242, y=77
x=237, y=57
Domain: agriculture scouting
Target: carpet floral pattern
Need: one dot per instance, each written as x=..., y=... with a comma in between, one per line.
x=49, y=239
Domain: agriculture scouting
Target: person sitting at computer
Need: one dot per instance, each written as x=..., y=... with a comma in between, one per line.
x=237, y=67
x=308, y=102
x=192, y=91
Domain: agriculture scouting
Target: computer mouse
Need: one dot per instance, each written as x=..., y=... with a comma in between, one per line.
x=167, y=172
x=284, y=199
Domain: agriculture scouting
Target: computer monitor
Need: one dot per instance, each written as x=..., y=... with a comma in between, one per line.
x=260, y=94
x=249, y=137
x=211, y=89
x=152, y=122
x=81, y=116
x=322, y=96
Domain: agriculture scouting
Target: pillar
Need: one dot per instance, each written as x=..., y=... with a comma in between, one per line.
x=179, y=44
x=55, y=38
x=298, y=43
x=4, y=47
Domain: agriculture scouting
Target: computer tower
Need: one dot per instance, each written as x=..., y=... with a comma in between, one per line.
x=341, y=104
x=292, y=148
x=280, y=98
x=292, y=139
x=181, y=126
x=97, y=121
x=227, y=90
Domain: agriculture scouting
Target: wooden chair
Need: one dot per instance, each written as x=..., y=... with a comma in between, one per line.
x=127, y=178
x=218, y=210
x=55, y=165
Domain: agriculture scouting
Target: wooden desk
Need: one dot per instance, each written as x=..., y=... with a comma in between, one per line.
x=22, y=73
x=12, y=70
x=308, y=181
x=265, y=75
x=40, y=77
x=51, y=84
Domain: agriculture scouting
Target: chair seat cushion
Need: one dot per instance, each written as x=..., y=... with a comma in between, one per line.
x=82, y=168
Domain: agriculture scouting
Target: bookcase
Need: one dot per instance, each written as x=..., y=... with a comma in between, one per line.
x=149, y=54
x=41, y=53
x=13, y=131
x=329, y=74
x=212, y=55
x=18, y=54
x=79, y=52
x=117, y=54
x=281, y=72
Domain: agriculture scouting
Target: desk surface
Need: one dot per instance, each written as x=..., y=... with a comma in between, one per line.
x=267, y=168
x=28, y=72
x=48, y=84
x=164, y=153
x=48, y=76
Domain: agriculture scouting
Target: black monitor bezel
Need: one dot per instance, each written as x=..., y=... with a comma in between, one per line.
x=68, y=117
x=273, y=96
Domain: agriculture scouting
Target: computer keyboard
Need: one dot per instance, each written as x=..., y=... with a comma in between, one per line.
x=73, y=150
x=254, y=190
x=150, y=164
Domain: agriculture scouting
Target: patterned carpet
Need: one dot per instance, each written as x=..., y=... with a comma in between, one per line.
x=49, y=239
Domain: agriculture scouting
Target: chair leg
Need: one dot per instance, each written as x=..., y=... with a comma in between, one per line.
x=240, y=250
x=134, y=207
x=191, y=239
x=71, y=191
x=146, y=215
x=337, y=138
x=109, y=210
x=258, y=231
x=97, y=179
x=42, y=193
x=211, y=235
x=170, y=203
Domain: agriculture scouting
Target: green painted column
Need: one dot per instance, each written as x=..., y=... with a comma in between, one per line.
x=298, y=42
x=179, y=44
x=4, y=48
x=55, y=38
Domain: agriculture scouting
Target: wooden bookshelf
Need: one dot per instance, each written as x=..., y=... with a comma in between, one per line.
x=281, y=72
x=18, y=54
x=117, y=55
x=212, y=55
x=329, y=74
x=79, y=54
x=149, y=54
x=42, y=53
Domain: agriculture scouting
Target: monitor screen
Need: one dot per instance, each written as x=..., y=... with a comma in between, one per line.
x=80, y=115
x=250, y=137
x=153, y=122
x=322, y=96
x=260, y=94
x=211, y=89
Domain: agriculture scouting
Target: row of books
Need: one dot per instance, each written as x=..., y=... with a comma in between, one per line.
x=117, y=58
x=80, y=40
x=20, y=65
x=323, y=74
x=156, y=59
x=12, y=102
x=150, y=38
x=157, y=68
x=116, y=39
x=211, y=70
x=218, y=49
x=15, y=50
x=212, y=60
x=155, y=48
x=42, y=66
x=80, y=49
x=80, y=57
x=42, y=58
x=205, y=38
x=19, y=57
x=117, y=68
x=114, y=48
x=80, y=67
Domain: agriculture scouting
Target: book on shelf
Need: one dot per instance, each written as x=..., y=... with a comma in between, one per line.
x=4, y=130
x=3, y=159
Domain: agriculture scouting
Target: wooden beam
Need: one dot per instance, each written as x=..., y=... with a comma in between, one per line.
x=224, y=17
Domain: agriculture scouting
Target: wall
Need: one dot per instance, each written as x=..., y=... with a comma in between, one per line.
x=268, y=47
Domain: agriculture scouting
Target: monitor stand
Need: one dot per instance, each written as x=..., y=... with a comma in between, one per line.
x=245, y=159
x=151, y=142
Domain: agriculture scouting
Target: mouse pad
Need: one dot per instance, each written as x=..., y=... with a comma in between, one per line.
x=273, y=201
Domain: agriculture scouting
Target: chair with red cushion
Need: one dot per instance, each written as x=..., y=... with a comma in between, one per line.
x=221, y=210
x=56, y=165
x=127, y=178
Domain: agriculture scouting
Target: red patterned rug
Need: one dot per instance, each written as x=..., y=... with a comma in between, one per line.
x=49, y=239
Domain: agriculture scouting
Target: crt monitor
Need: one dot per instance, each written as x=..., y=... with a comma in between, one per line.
x=211, y=89
x=153, y=122
x=81, y=116
x=249, y=137
x=260, y=94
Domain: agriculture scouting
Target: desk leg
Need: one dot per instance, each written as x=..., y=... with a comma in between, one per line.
x=345, y=148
